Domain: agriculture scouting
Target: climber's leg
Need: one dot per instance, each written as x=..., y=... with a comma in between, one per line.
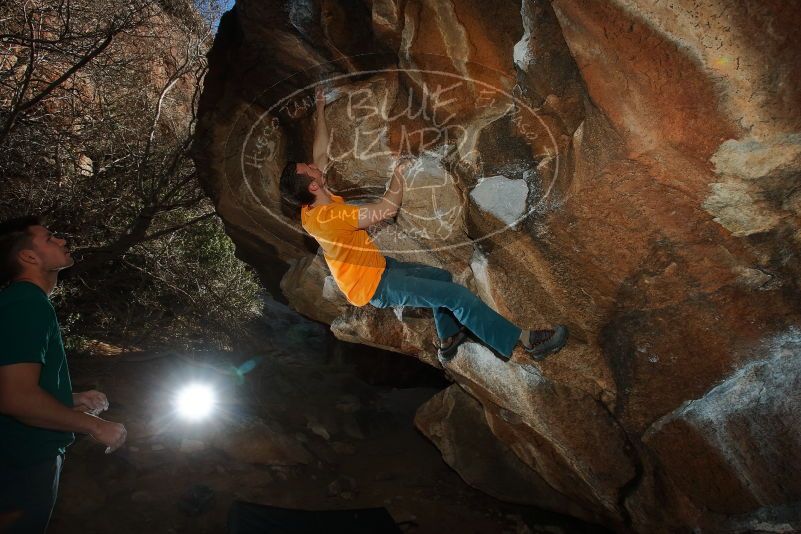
x=444, y=320
x=396, y=289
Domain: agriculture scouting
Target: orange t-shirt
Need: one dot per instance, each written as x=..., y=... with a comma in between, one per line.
x=355, y=262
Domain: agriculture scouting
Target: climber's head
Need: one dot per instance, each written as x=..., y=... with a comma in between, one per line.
x=301, y=183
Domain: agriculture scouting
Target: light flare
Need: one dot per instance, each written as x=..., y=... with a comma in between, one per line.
x=195, y=402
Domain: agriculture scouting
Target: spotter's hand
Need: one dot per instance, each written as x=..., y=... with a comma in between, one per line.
x=93, y=402
x=110, y=434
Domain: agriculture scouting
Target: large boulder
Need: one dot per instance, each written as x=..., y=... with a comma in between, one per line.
x=624, y=167
x=460, y=428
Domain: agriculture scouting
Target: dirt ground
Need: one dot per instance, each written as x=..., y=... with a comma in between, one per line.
x=296, y=431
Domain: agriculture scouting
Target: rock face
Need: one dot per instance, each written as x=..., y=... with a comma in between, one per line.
x=458, y=426
x=625, y=167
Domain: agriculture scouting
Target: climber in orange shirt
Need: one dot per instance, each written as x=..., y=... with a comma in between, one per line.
x=365, y=275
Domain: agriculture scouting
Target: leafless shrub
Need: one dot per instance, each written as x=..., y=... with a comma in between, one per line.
x=98, y=102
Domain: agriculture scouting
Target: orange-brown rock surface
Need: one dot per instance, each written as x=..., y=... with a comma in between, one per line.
x=628, y=168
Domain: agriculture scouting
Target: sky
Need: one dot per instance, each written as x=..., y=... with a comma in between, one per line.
x=207, y=6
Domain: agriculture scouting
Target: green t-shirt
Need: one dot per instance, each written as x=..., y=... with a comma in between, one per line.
x=29, y=332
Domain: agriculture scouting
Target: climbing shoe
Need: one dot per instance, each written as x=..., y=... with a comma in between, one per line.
x=542, y=343
x=447, y=348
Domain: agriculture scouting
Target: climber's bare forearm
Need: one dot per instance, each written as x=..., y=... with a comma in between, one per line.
x=387, y=207
x=394, y=193
x=321, y=137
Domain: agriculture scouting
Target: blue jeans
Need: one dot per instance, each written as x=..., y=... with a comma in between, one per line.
x=420, y=286
x=27, y=496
